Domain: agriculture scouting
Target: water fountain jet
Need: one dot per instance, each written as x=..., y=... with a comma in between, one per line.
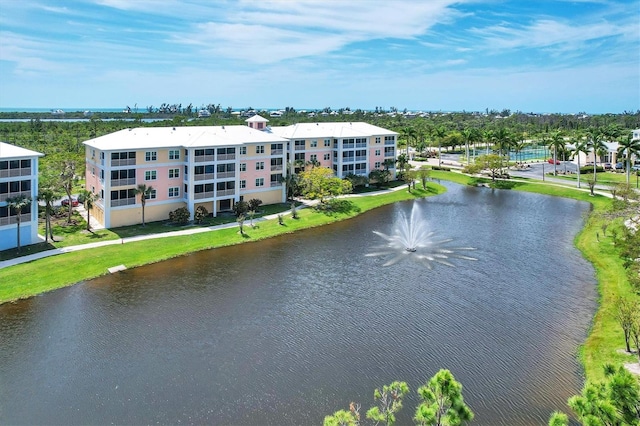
x=412, y=238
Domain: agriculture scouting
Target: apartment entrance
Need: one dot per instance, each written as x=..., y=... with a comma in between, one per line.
x=225, y=205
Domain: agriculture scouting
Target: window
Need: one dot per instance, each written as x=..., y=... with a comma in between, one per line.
x=313, y=157
x=174, y=154
x=377, y=139
x=243, y=150
x=260, y=165
x=150, y=175
x=150, y=156
x=377, y=152
x=314, y=143
x=174, y=173
x=259, y=149
x=260, y=182
x=243, y=184
x=377, y=165
x=93, y=171
x=327, y=157
x=327, y=142
x=174, y=192
x=151, y=196
x=243, y=167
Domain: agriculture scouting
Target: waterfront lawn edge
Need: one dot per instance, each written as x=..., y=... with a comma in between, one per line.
x=50, y=273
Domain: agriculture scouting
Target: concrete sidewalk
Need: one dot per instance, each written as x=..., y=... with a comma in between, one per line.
x=54, y=252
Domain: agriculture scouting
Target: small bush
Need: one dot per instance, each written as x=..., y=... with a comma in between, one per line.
x=201, y=213
x=444, y=169
x=589, y=169
x=179, y=216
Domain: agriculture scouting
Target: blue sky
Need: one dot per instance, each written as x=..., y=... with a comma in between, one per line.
x=431, y=55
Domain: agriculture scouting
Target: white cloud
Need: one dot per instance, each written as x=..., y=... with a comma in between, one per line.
x=285, y=30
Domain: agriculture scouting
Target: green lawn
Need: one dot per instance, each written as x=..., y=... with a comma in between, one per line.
x=53, y=272
x=602, y=178
x=67, y=235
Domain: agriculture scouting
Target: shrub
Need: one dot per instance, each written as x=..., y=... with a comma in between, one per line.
x=589, y=169
x=201, y=213
x=179, y=216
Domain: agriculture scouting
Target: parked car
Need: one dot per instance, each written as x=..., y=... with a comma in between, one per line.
x=74, y=202
x=607, y=166
x=619, y=166
x=550, y=161
x=636, y=168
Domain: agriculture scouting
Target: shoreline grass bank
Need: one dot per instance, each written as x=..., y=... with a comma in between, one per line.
x=50, y=273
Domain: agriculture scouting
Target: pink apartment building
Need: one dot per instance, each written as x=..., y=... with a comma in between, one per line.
x=217, y=166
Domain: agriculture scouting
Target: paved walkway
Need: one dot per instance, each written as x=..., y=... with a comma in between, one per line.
x=95, y=225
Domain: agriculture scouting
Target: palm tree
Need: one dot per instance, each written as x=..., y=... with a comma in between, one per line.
x=18, y=203
x=631, y=147
x=439, y=132
x=145, y=192
x=409, y=133
x=557, y=144
x=503, y=141
x=403, y=162
x=580, y=146
x=89, y=199
x=48, y=195
x=67, y=180
x=597, y=146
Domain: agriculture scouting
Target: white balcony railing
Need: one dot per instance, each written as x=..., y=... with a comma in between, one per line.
x=201, y=195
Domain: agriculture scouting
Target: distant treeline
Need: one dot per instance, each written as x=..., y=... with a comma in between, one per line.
x=57, y=138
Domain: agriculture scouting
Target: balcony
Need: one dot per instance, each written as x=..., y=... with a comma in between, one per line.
x=361, y=145
x=276, y=168
x=389, y=142
x=15, y=172
x=276, y=184
x=225, y=192
x=226, y=157
x=12, y=220
x=201, y=195
x=348, y=159
x=203, y=158
x=348, y=145
x=299, y=147
x=278, y=151
x=203, y=176
x=3, y=197
x=361, y=158
x=123, y=182
x=389, y=154
x=224, y=175
x=123, y=202
x=123, y=162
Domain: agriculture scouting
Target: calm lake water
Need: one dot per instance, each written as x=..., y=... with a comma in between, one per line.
x=288, y=330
